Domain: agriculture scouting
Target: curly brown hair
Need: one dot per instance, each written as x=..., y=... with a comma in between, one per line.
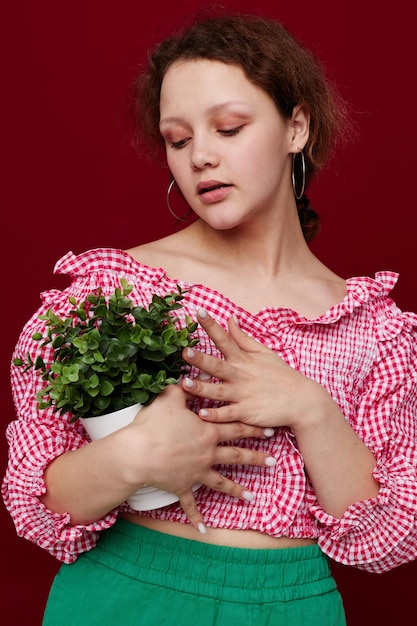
x=273, y=60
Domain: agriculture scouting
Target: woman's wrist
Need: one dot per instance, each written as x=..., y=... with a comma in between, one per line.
x=132, y=457
x=316, y=409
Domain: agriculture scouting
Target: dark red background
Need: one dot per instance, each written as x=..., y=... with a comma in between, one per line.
x=71, y=180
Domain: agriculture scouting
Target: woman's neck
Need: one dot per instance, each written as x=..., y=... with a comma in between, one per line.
x=273, y=250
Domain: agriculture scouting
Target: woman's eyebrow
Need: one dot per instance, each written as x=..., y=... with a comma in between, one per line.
x=210, y=110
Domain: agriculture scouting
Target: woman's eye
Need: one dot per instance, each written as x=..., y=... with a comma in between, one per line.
x=177, y=145
x=230, y=132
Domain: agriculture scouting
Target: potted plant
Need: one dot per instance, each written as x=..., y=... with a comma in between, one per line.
x=109, y=359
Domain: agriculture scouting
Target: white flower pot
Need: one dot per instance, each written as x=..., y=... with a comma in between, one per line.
x=147, y=497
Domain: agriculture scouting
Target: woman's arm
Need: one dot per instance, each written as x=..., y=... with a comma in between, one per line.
x=167, y=446
x=364, y=476
x=261, y=389
x=339, y=465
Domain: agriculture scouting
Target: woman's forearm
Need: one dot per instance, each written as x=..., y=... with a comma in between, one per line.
x=166, y=446
x=337, y=462
x=88, y=482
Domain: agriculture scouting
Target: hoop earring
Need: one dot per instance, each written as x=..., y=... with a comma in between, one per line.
x=303, y=172
x=180, y=219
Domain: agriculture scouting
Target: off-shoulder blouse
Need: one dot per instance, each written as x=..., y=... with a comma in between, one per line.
x=363, y=351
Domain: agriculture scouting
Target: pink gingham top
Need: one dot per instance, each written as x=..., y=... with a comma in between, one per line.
x=363, y=351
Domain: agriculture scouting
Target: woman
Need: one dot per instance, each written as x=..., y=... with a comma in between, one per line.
x=307, y=381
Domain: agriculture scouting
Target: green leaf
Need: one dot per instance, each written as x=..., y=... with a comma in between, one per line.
x=39, y=364
x=106, y=388
x=101, y=404
x=71, y=374
x=109, y=353
x=58, y=342
x=139, y=395
x=81, y=313
x=93, y=382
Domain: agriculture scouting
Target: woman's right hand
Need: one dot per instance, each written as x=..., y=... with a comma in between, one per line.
x=169, y=447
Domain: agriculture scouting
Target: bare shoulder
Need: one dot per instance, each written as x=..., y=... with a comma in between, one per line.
x=314, y=291
x=150, y=253
x=324, y=290
x=334, y=285
x=167, y=253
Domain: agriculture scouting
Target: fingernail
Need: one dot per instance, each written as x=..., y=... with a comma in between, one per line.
x=190, y=353
x=188, y=383
x=236, y=321
x=203, y=413
x=248, y=496
x=270, y=461
x=204, y=376
x=202, y=313
x=268, y=432
x=201, y=528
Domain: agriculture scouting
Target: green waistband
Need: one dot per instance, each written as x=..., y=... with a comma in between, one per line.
x=240, y=575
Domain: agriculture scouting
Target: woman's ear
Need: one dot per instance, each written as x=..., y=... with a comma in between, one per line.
x=300, y=126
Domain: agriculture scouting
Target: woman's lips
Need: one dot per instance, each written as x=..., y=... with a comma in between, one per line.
x=213, y=191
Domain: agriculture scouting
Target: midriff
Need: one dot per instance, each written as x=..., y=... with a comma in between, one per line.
x=219, y=536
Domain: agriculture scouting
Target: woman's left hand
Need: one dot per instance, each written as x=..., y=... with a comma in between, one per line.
x=263, y=390
x=257, y=385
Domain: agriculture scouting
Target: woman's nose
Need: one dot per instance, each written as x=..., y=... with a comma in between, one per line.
x=203, y=154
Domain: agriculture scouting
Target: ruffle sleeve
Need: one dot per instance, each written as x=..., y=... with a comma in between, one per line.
x=35, y=439
x=32, y=447
x=381, y=533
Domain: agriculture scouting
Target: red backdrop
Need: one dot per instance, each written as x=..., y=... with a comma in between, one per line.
x=73, y=181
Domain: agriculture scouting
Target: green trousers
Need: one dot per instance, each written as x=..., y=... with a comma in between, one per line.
x=138, y=577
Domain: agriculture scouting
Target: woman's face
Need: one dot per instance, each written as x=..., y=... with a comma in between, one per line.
x=227, y=146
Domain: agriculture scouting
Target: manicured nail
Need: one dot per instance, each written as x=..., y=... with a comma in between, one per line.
x=204, y=376
x=188, y=383
x=201, y=528
x=270, y=461
x=234, y=318
x=268, y=432
x=248, y=496
x=202, y=313
x=203, y=413
x=190, y=353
